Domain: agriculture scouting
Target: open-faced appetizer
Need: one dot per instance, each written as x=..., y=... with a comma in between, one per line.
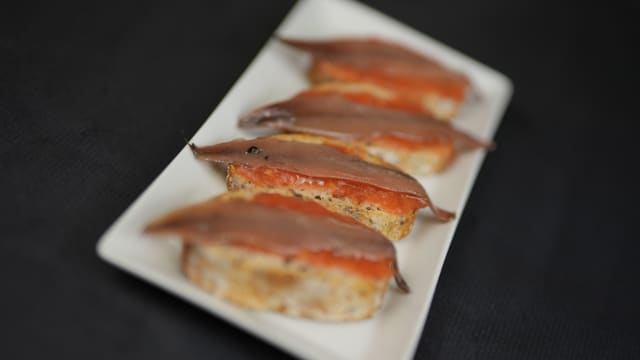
x=383, y=73
x=383, y=198
x=284, y=254
x=415, y=143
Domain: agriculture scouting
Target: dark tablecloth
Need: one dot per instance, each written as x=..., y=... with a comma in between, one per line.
x=96, y=98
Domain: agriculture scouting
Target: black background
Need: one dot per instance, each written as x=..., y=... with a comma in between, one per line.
x=95, y=99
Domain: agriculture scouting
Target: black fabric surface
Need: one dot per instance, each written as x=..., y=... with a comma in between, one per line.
x=96, y=98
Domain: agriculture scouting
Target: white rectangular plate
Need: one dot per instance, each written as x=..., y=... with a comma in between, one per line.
x=278, y=73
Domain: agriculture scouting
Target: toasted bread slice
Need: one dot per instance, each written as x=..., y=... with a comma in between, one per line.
x=417, y=144
x=379, y=197
x=387, y=74
x=394, y=225
x=418, y=160
x=263, y=281
x=277, y=253
x=381, y=93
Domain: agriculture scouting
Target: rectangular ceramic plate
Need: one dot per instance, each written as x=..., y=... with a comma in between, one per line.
x=278, y=73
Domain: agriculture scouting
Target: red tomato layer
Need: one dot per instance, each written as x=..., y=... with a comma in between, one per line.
x=389, y=201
